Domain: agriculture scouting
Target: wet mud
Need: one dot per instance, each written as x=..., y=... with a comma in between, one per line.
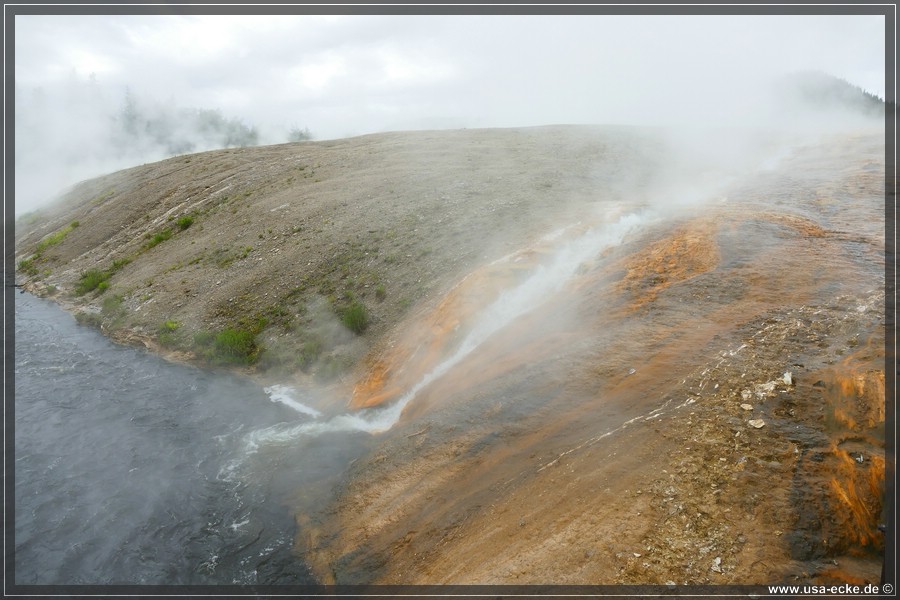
x=703, y=403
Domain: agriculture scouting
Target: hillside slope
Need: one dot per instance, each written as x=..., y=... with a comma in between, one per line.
x=615, y=357
x=295, y=234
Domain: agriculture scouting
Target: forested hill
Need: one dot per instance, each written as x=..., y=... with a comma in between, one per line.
x=817, y=91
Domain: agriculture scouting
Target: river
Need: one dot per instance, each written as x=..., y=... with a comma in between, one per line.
x=130, y=470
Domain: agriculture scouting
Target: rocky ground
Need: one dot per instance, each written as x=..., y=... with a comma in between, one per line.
x=703, y=403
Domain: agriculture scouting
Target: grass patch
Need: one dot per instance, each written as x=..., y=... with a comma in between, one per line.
x=184, y=222
x=114, y=309
x=204, y=339
x=234, y=345
x=223, y=257
x=309, y=353
x=118, y=264
x=95, y=279
x=55, y=239
x=356, y=317
x=112, y=305
x=28, y=266
x=159, y=238
x=166, y=334
x=90, y=280
x=90, y=319
x=103, y=198
x=380, y=293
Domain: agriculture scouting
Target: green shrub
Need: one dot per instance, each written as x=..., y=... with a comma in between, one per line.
x=235, y=346
x=102, y=286
x=204, y=339
x=356, y=317
x=28, y=267
x=74, y=224
x=159, y=238
x=170, y=326
x=255, y=326
x=184, y=222
x=88, y=318
x=118, y=264
x=112, y=305
x=90, y=280
x=380, y=292
x=309, y=353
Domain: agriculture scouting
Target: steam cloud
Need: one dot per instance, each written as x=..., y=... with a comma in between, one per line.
x=351, y=75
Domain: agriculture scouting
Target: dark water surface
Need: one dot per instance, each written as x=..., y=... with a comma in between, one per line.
x=132, y=470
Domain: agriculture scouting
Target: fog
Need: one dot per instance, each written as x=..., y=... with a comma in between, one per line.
x=352, y=75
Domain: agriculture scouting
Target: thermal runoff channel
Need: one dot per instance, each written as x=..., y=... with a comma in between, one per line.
x=562, y=255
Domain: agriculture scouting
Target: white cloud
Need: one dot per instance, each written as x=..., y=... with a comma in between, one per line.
x=318, y=74
x=347, y=75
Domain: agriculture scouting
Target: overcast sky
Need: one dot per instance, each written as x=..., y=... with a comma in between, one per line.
x=350, y=75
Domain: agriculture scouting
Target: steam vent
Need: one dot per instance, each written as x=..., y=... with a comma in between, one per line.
x=549, y=355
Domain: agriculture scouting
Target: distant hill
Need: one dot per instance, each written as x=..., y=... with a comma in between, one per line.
x=817, y=91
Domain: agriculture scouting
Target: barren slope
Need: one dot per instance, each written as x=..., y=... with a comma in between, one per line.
x=634, y=425
x=710, y=411
x=295, y=233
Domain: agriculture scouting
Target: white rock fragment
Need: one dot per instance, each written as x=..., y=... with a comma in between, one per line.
x=788, y=378
x=747, y=406
x=717, y=564
x=758, y=423
x=746, y=394
x=765, y=389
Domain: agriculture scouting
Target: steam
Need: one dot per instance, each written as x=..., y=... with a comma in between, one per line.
x=81, y=129
x=546, y=280
x=350, y=75
x=284, y=395
x=697, y=167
